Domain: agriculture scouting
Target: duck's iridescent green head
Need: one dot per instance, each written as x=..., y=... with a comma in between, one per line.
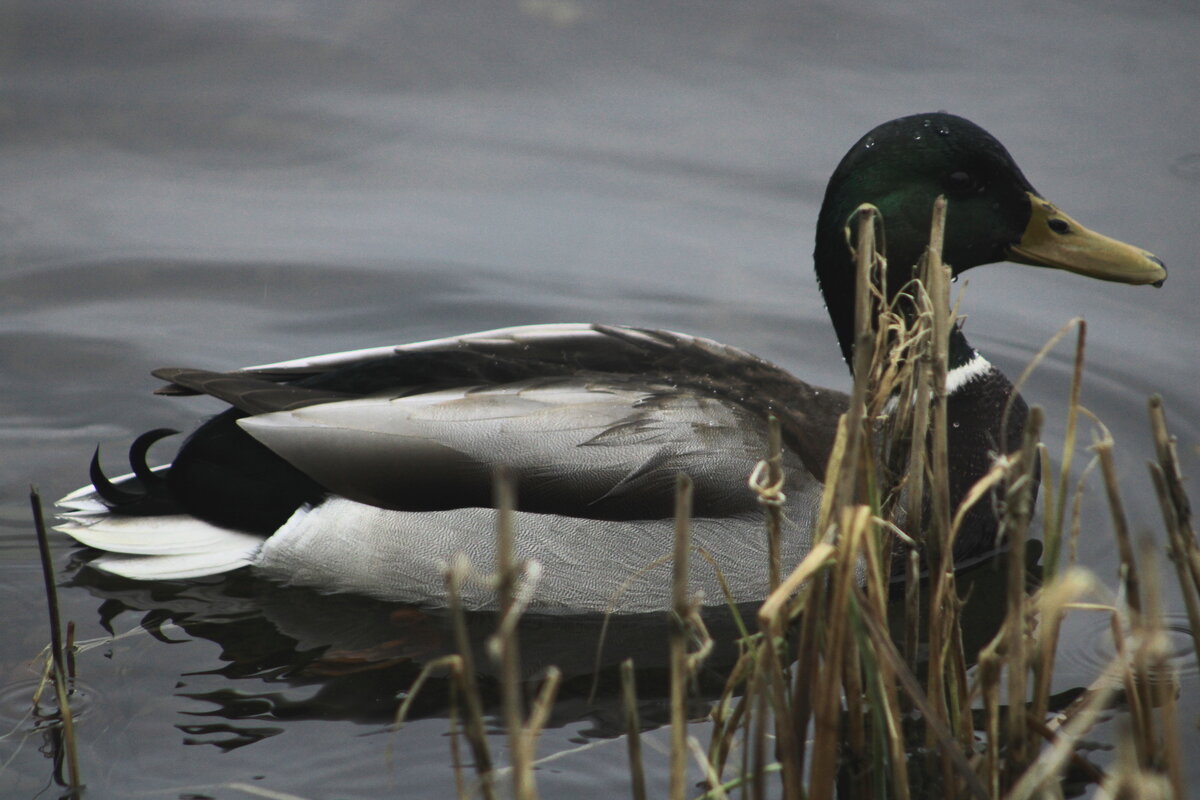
x=993, y=213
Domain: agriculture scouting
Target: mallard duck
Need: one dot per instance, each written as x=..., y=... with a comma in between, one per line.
x=365, y=471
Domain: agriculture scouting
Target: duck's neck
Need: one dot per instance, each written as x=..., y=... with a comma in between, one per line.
x=978, y=393
x=836, y=275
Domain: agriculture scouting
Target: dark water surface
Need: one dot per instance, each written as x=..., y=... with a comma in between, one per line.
x=225, y=183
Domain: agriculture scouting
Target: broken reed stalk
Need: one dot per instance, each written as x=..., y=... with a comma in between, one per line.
x=539, y=712
x=725, y=721
x=633, y=730
x=453, y=664
x=1116, y=510
x=1051, y=616
x=938, y=548
x=914, y=512
x=1015, y=529
x=1176, y=511
x=882, y=692
x=473, y=727
x=1056, y=499
x=58, y=661
x=678, y=636
x=772, y=497
x=760, y=717
x=502, y=644
x=456, y=763
x=1137, y=680
x=1156, y=674
x=1048, y=766
x=827, y=706
x=767, y=482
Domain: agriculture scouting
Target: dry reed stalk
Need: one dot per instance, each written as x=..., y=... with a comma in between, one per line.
x=869, y=269
x=717, y=788
x=773, y=618
x=1116, y=509
x=944, y=741
x=1128, y=780
x=633, y=730
x=758, y=780
x=987, y=680
x=58, y=661
x=503, y=644
x=1164, y=445
x=1180, y=552
x=773, y=686
x=1052, y=605
x=69, y=650
x=912, y=608
x=936, y=278
x=772, y=614
x=451, y=663
x=887, y=709
x=807, y=655
x=1135, y=699
x=1076, y=526
x=770, y=494
x=725, y=722
x=539, y=712
x=1014, y=528
x=473, y=727
x=1048, y=765
x=766, y=673
x=1158, y=675
x=1056, y=499
x=855, y=738
x=1176, y=511
x=842, y=473
x=460, y=782
x=1051, y=614
x=939, y=547
x=1137, y=683
x=960, y=706
x=678, y=636
x=767, y=481
x=828, y=681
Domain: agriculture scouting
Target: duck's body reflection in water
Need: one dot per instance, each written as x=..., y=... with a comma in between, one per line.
x=290, y=653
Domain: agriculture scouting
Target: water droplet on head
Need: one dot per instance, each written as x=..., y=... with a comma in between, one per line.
x=869, y=143
x=916, y=137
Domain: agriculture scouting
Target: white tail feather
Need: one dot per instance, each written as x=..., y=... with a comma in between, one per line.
x=163, y=548
x=177, y=567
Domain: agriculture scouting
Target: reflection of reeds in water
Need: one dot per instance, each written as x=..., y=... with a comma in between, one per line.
x=834, y=694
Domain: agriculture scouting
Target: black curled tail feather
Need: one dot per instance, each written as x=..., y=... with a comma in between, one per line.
x=113, y=497
x=153, y=497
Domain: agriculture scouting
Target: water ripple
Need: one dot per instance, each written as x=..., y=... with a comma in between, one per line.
x=18, y=714
x=1092, y=649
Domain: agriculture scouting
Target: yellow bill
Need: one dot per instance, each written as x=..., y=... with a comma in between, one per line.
x=1052, y=239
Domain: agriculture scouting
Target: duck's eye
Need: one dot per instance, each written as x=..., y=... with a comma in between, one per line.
x=1058, y=225
x=960, y=181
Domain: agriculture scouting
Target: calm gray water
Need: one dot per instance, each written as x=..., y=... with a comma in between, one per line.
x=225, y=183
